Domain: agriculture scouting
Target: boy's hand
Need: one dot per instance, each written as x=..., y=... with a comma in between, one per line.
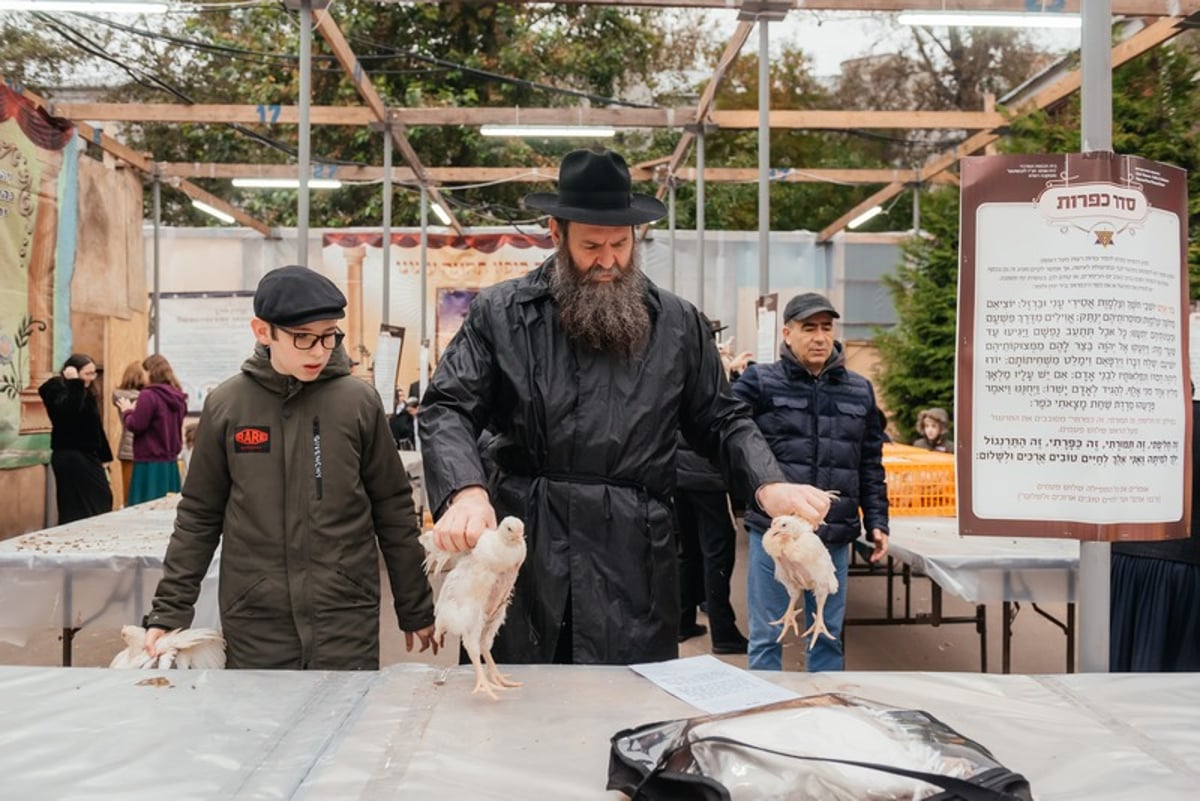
x=152, y=636
x=70, y=372
x=427, y=640
x=124, y=405
x=465, y=519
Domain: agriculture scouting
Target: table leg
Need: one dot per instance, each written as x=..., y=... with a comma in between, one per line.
x=1071, y=638
x=891, y=574
x=68, y=637
x=906, y=577
x=1006, y=639
x=981, y=627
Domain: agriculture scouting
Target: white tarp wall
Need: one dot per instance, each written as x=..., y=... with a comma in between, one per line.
x=848, y=269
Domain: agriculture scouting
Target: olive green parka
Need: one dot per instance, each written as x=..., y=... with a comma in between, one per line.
x=302, y=487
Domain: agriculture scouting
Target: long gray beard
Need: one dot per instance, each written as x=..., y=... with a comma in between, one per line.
x=605, y=316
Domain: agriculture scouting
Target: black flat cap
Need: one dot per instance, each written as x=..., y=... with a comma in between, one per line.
x=806, y=305
x=295, y=295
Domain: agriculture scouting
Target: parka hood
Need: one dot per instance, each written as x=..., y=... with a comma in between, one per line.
x=258, y=367
x=173, y=399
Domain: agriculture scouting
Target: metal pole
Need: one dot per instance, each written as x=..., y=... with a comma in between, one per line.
x=1096, y=134
x=424, y=273
x=303, y=165
x=764, y=158
x=387, y=220
x=916, y=209
x=700, y=213
x=671, y=230
x=156, y=194
x=1095, y=91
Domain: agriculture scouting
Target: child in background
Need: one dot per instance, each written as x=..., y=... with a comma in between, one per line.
x=933, y=425
x=189, y=442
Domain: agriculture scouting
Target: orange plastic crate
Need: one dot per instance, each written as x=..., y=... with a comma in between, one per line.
x=919, y=482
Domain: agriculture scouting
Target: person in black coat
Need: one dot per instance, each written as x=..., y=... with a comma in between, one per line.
x=403, y=425
x=585, y=371
x=707, y=536
x=707, y=546
x=1155, y=586
x=79, y=448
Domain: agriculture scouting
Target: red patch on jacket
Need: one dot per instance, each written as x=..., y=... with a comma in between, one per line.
x=252, y=439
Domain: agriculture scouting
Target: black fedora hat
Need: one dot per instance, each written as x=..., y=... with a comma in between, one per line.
x=594, y=187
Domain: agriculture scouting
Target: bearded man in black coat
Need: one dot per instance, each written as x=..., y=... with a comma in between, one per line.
x=584, y=369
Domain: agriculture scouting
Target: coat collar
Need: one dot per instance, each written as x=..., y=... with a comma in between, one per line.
x=834, y=369
x=258, y=367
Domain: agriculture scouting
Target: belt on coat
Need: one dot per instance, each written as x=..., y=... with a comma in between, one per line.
x=592, y=479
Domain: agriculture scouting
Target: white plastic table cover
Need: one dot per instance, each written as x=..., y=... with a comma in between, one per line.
x=416, y=731
x=99, y=571
x=985, y=569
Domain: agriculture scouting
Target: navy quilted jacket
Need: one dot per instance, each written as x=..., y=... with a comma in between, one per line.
x=824, y=431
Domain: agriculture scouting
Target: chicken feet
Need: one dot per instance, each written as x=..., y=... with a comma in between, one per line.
x=491, y=679
x=788, y=620
x=818, y=625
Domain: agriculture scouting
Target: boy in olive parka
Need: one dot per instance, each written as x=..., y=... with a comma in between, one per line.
x=295, y=474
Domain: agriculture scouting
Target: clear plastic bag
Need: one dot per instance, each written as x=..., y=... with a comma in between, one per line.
x=829, y=747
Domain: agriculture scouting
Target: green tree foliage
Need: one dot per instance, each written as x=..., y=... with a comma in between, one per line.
x=794, y=206
x=1155, y=108
x=1155, y=112
x=30, y=58
x=918, y=352
x=952, y=70
x=430, y=54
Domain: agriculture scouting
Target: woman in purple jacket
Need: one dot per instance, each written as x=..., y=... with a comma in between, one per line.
x=156, y=420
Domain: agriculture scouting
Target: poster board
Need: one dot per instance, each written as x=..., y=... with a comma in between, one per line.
x=1072, y=403
x=206, y=336
x=766, y=318
x=388, y=348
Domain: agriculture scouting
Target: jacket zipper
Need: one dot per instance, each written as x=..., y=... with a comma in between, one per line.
x=317, y=455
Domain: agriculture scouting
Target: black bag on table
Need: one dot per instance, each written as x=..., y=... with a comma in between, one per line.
x=693, y=760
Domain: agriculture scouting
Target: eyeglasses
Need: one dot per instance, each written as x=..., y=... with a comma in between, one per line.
x=306, y=341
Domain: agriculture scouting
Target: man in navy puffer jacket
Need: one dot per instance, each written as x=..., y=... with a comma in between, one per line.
x=821, y=422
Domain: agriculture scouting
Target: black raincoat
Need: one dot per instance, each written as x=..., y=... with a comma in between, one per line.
x=584, y=453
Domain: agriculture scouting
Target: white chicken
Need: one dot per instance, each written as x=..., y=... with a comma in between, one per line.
x=195, y=649
x=474, y=597
x=802, y=563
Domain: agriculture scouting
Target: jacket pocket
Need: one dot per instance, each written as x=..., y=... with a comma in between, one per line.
x=360, y=591
x=851, y=409
x=788, y=402
x=242, y=601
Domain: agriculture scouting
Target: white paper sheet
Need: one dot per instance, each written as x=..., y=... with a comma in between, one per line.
x=711, y=685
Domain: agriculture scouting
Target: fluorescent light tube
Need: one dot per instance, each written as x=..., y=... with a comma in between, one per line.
x=100, y=7
x=534, y=131
x=286, y=183
x=207, y=209
x=440, y=213
x=866, y=215
x=992, y=19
